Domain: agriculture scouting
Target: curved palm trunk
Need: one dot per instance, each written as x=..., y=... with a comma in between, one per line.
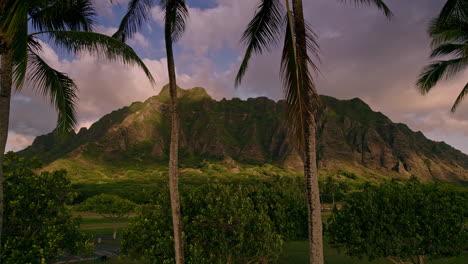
x=310, y=158
x=174, y=148
x=5, y=96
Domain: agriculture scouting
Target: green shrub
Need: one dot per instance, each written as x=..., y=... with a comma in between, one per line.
x=38, y=224
x=223, y=223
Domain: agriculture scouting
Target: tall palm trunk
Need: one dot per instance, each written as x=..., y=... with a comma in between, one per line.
x=310, y=158
x=174, y=147
x=5, y=96
x=313, y=198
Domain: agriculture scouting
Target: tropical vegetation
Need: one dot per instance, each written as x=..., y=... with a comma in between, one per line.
x=449, y=34
x=109, y=206
x=38, y=224
x=402, y=221
x=68, y=25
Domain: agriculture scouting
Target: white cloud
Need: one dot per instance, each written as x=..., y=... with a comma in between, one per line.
x=17, y=141
x=104, y=7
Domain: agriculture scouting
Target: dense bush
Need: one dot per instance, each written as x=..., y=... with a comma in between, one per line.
x=402, y=220
x=223, y=223
x=38, y=225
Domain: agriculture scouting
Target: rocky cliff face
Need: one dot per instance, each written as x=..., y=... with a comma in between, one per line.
x=254, y=131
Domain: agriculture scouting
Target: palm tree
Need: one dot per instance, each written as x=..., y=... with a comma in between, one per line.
x=176, y=13
x=261, y=34
x=67, y=23
x=449, y=33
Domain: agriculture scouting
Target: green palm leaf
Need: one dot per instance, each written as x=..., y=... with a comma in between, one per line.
x=138, y=12
x=100, y=45
x=262, y=32
x=178, y=12
x=454, y=49
x=452, y=30
x=20, y=53
x=299, y=87
x=438, y=70
x=58, y=87
x=64, y=15
x=454, y=8
x=460, y=98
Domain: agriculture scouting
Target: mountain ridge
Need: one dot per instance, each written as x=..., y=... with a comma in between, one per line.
x=253, y=131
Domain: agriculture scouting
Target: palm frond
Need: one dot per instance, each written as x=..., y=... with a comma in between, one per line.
x=20, y=53
x=14, y=18
x=262, y=32
x=312, y=48
x=177, y=11
x=380, y=4
x=438, y=70
x=451, y=49
x=454, y=9
x=301, y=96
x=100, y=45
x=64, y=15
x=138, y=12
x=60, y=89
x=452, y=30
x=460, y=98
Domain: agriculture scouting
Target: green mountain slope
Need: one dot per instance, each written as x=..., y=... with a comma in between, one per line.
x=238, y=133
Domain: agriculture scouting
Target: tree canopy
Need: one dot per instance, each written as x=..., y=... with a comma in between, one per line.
x=38, y=222
x=401, y=221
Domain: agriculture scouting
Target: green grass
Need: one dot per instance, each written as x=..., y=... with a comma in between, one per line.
x=296, y=252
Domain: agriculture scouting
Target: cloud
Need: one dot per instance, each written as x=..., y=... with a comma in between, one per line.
x=18, y=142
x=105, y=7
x=363, y=55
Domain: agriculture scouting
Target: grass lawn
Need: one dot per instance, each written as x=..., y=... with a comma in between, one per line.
x=296, y=252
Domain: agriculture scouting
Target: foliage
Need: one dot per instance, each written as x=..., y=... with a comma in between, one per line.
x=110, y=206
x=224, y=223
x=332, y=190
x=449, y=33
x=401, y=220
x=38, y=223
x=68, y=23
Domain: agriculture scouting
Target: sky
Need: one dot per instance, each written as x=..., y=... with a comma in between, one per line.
x=362, y=53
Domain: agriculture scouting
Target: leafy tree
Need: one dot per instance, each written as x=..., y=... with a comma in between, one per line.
x=299, y=49
x=224, y=224
x=401, y=221
x=176, y=13
x=333, y=190
x=449, y=33
x=38, y=222
x=109, y=206
x=67, y=23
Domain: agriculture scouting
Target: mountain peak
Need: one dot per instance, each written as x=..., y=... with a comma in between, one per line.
x=349, y=135
x=196, y=93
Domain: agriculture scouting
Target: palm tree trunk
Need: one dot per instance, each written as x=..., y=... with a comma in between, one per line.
x=174, y=147
x=5, y=96
x=313, y=198
x=310, y=158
